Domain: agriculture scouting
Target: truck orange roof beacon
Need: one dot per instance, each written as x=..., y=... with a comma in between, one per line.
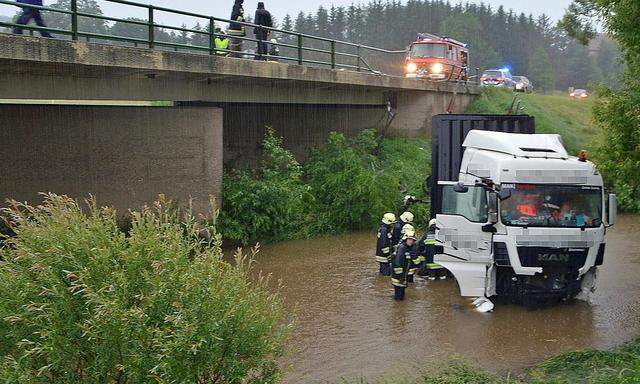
x=438, y=58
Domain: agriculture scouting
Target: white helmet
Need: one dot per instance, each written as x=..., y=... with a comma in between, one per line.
x=273, y=41
x=432, y=222
x=407, y=217
x=408, y=228
x=388, y=218
x=408, y=232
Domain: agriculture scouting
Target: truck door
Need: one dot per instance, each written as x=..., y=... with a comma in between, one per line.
x=465, y=235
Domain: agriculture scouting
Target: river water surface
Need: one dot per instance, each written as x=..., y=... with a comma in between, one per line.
x=348, y=326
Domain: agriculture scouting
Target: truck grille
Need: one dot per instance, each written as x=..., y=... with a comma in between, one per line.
x=552, y=257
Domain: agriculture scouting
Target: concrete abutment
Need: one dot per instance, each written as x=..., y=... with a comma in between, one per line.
x=124, y=156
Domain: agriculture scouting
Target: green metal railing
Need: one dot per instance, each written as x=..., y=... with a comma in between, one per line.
x=339, y=54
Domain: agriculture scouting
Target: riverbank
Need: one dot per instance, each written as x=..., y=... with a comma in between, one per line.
x=554, y=113
x=614, y=366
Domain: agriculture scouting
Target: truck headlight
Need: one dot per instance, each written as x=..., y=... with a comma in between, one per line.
x=437, y=68
x=412, y=67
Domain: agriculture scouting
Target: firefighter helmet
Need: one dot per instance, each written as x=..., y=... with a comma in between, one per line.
x=432, y=222
x=388, y=218
x=407, y=217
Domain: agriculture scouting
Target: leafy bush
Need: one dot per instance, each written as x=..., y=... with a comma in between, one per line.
x=408, y=160
x=268, y=204
x=351, y=191
x=81, y=302
x=347, y=184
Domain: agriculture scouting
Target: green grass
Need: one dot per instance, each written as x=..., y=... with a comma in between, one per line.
x=619, y=365
x=557, y=113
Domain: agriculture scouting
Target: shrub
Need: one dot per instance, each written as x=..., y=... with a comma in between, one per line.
x=268, y=204
x=347, y=184
x=351, y=191
x=408, y=160
x=80, y=302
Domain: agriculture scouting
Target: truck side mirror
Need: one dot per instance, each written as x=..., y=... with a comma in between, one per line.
x=504, y=194
x=613, y=209
x=459, y=187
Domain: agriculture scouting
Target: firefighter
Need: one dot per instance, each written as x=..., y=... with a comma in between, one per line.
x=426, y=247
x=383, y=245
x=221, y=42
x=236, y=30
x=405, y=218
x=403, y=261
x=274, y=52
x=263, y=19
x=413, y=269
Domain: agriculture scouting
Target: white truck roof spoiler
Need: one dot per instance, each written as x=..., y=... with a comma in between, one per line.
x=518, y=144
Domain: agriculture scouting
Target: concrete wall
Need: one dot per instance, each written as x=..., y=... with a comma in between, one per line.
x=303, y=127
x=125, y=156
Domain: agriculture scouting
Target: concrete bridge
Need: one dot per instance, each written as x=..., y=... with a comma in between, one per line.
x=128, y=123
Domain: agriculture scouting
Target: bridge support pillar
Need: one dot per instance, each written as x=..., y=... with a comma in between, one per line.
x=123, y=155
x=414, y=110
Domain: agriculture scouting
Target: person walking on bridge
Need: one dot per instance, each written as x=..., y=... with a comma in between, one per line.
x=31, y=13
x=236, y=30
x=403, y=262
x=383, y=245
x=262, y=19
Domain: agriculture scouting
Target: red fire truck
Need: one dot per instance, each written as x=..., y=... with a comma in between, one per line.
x=437, y=58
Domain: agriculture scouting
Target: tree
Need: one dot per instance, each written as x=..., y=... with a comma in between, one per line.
x=540, y=70
x=85, y=24
x=466, y=28
x=616, y=112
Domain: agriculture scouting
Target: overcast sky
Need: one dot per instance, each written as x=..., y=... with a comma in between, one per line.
x=222, y=8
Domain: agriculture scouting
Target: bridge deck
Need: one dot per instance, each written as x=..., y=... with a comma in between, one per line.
x=89, y=60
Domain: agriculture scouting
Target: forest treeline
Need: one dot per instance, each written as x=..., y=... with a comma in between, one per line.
x=531, y=46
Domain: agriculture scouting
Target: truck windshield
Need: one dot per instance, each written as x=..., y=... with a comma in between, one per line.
x=427, y=50
x=539, y=205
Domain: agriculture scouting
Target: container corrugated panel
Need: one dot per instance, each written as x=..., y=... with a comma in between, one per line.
x=448, y=134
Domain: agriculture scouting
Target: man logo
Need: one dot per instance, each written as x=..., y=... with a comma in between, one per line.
x=557, y=257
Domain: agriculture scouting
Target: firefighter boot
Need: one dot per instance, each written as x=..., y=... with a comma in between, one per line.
x=398, y=293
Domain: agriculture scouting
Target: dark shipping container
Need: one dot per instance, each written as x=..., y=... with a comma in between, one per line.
x=447, y=135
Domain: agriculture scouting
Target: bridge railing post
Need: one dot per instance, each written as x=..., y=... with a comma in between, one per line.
x=151, y=28
x=359, y=58
x=212, y=36
x=333, y=54
x=74, y=19
x=299, y=49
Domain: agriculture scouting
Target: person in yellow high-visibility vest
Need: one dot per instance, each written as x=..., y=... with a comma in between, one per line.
x=221, y=42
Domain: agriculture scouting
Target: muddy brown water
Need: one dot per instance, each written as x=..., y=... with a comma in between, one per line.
x=348, y=326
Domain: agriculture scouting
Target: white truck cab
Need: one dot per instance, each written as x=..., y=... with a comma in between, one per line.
x=525, y=220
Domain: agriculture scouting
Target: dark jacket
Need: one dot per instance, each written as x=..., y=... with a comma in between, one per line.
x=383, y=245
x=396, y=235
x=237, y=14
x=32, y=2
x=262, y=17
x=405, y=260
x=426, y=245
